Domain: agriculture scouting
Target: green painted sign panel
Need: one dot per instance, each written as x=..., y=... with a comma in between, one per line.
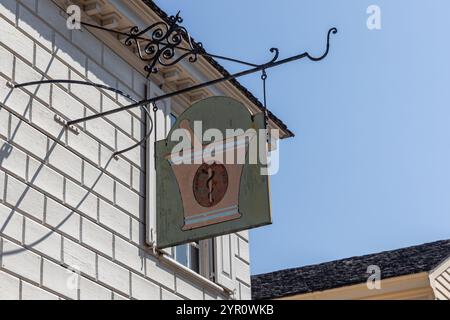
x=215, y=187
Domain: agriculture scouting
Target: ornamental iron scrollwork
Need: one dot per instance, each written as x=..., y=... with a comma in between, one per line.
x=164, y=47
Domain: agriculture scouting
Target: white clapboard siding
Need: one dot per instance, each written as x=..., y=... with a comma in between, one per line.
x=440, y=281
x=225, y=255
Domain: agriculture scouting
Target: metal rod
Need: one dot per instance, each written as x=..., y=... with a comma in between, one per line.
x=212, y=82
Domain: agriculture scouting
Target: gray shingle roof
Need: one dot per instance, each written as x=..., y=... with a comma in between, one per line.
x=349, y=271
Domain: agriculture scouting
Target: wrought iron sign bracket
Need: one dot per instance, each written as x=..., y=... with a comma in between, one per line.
x=63, y=122
x=165, y=48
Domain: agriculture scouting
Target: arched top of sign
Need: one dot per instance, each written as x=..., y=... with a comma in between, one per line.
x=219, y=112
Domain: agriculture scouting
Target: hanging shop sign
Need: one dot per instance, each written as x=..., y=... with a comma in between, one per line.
x=210, y=176
x=201, y=193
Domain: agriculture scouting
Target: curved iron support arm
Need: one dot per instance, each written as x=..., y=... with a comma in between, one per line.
x=144, y=139
x=104, y=87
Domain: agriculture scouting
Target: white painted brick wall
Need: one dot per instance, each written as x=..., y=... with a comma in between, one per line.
x=35, y=27
x=167, y=295
x=43, y=117
x=31, y=140
x=124, y=120
x=14, y=39
x=25, y=73
x=25, y=198
x=13, y=160
x=49, y=65
x=6, y=62
x=64, y=204
x=66, y=104
x=117, y=296
x=2, y=186
x=79, y=258
x=52, y=15
x=97, y=237
x=62, y=219
x=89, y=290
x=97, y=74
x=137, y=231
x=8, y=9
x=59, y=279
x=45, y=178
x=188, y=289
x=70, y=54
x=20, y=261
x=129, y=254
x=85, y=145
x=128, y=200
x=4, y=123
x=30, y=4
x=96, y=180
x=31, y=292
x=87, y=94
x=155, y=270
x=42, y=239
x=81, y=199
x=119, y=168
x=143, y=289
x=9, y=287
x=114, y=219
x=16, y=100
x=114, y=275
x=11, y=223
x=66, y=161
x=91, y=45
x=102, y=130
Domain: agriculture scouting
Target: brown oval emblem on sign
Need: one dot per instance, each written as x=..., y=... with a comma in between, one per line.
x=210, y=184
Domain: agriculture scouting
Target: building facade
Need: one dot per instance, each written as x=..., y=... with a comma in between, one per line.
x=76, y=222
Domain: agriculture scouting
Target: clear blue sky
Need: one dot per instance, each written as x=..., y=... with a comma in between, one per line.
x=369, y=168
